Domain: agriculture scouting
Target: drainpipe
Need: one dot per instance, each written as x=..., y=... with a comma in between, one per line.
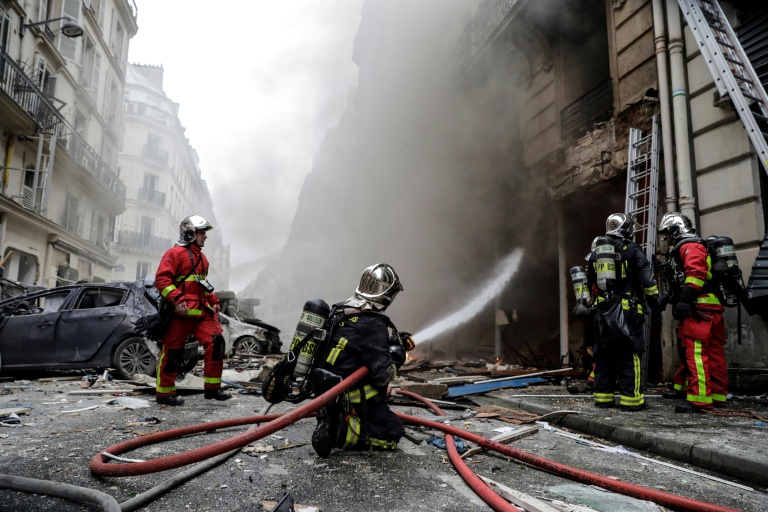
x=660, y=36
x=680, y=112
x=564, y=286
x=8, y=161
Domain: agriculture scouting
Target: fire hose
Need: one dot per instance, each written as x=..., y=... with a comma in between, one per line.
x=276, y=422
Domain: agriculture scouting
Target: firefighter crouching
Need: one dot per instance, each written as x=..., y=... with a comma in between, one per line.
x=701, y=331
x=622, y=280
x=181, y=279
x=361, y=419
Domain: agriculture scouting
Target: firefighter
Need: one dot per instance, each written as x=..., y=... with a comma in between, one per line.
x=361, y=419
x=623, y=280
x=181, y=278
x=701, y=331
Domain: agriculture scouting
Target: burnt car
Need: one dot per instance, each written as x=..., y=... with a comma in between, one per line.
x=246, y=335
x=82, y=326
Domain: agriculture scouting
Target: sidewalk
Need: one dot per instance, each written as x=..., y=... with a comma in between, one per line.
x=733, y=446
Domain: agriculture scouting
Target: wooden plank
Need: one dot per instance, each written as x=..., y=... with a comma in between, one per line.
x=549, y=372
x=484, y=387
x=528, y=503
x=506, y=438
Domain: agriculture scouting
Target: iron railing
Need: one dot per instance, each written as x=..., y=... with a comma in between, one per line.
x=23, y=90
x=144, y=241
x=490, y=14
x=26, y=93
x=594, y=106
x=152, y=196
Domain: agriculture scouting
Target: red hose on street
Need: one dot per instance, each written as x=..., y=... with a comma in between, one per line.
x=276, y=422
x=495, y=501
x=578, y=475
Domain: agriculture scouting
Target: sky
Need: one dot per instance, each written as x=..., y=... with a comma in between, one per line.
x=258, y=85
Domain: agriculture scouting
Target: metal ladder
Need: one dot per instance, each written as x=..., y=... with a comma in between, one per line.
x=734, y=76
x=642, y=198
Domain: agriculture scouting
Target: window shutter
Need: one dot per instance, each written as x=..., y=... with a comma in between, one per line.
x=50, y=87
x=42, y=10
x=95, y=79
x=5, y=32
x=41, y=71
x=68, y=45
x=101, y=15
x=113, y=32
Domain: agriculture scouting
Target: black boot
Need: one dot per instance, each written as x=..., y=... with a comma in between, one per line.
x=324, y=436
x=169, y=400
x=217, y=394
x=687, y=408
x=605, y=405
x=633, y=408
x=673, y=394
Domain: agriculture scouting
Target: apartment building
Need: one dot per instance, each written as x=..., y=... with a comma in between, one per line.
x=163, y=182
x=62, y=69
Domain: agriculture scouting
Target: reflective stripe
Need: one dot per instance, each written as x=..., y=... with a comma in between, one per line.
x=709, y=298
x=719, y=398
x=167, y=290
x=701, y=376
x=353, y=431
x=693, y=280
x=631, y=401
x=681, y=387
x=336, y=351
x=603, y=397
x=651, y=290
x=191, y=277
x=381, y=443
x=354, y=395
x=194, y=312
x=212, y=380
x=158, y=388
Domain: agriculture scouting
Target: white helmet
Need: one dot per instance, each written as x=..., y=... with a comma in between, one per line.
x=379, y=285
x=189, y=226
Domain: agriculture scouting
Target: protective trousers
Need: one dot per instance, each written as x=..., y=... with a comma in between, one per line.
x=372, y=424
x=179, y=329
x=703, y=338
x=618, y=362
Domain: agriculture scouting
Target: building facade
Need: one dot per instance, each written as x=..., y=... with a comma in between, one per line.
x=61, y=124
x=163, y=182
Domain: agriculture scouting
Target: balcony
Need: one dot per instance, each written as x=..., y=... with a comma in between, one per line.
x=26, y=93
x=144, y=241
x=594, y=106
x=87, y=157
x=152, y=196
x=154, y=154
x=484, y=26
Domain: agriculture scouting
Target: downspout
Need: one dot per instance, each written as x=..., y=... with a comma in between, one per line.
x=564, y=287
x=660, y=36
x=680, y=111
x=8, y=161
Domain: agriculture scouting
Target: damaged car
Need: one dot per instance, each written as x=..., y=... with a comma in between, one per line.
x=82, y=326
x=246, y=335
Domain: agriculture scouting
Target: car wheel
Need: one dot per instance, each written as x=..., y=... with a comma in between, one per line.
x=249, y=346
x=132, y=356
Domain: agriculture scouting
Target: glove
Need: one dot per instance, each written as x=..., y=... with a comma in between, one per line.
x=581, y=310
x=397, y=353
x=653, y=303
x=683, y=310
x=406, y=341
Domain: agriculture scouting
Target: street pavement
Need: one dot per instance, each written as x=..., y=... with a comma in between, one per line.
x=53, y=443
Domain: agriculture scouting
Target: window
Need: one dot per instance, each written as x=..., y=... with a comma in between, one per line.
x=142, y=269
x=72, y=220
x=20, y=266
x=86, y=62
x=110, y=100
x=100, y=298
x=5, y=31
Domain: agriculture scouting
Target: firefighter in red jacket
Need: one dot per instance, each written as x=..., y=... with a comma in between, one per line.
x=181, y=279
x=701, y=330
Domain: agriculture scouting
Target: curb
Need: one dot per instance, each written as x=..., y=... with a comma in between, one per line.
x=705, y=457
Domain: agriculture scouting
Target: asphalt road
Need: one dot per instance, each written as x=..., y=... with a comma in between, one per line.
x=56, y=445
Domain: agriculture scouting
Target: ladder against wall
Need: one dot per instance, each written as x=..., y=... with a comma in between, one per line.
x=728, y=64
x=642, y=197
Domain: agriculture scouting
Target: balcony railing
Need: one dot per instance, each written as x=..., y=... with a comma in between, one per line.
x=144, y=241
x=23, y=90
x=26, y=93
x=594, y=106
x=489, y=16
x=152, y=196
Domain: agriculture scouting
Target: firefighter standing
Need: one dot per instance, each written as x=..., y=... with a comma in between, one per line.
x=617, y=355
x=701, y=331
x=181, y=279
x=361, y=419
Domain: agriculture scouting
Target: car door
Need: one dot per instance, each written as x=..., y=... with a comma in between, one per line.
x=27, y=334
x=86, y=327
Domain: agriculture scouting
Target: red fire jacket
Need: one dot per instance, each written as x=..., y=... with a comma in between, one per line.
x=177, y=280
x=694, y=262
